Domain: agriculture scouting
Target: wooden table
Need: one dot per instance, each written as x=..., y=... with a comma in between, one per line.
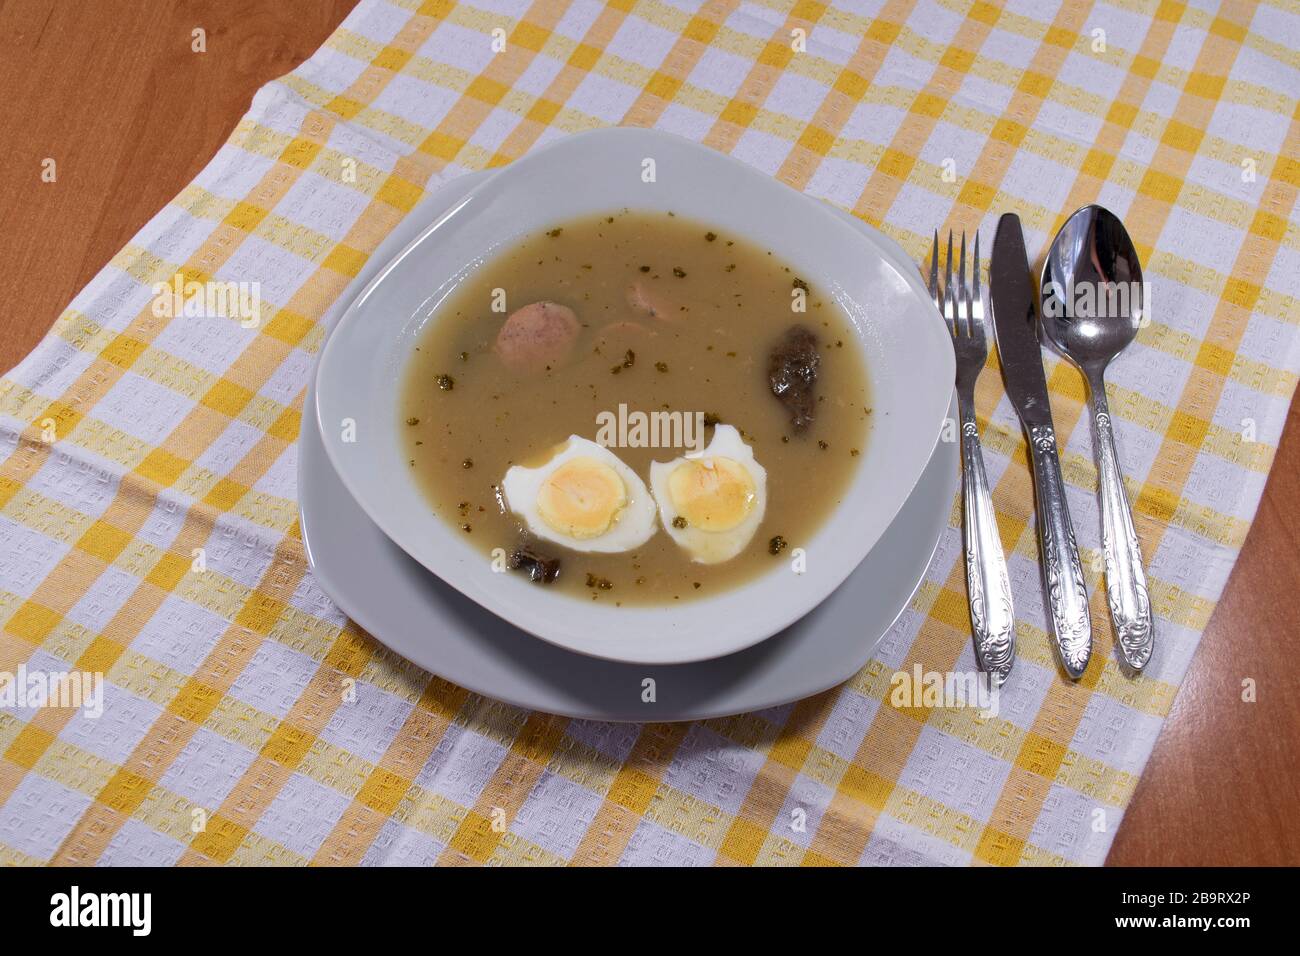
x=113, y=92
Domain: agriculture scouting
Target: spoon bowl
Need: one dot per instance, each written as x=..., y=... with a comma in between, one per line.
x=1092, y=292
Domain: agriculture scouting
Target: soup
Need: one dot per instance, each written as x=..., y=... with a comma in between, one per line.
x=543, y=391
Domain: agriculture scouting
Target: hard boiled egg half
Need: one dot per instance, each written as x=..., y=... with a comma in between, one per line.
x=582, y=497
x=712, y=502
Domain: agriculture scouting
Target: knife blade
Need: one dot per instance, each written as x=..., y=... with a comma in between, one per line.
x=1015, y=324
x=1015, y=328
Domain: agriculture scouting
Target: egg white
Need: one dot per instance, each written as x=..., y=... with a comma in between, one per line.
x=712, y=547
x=634, y=525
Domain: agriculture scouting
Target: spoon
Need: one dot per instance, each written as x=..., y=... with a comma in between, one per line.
x=1093, y=303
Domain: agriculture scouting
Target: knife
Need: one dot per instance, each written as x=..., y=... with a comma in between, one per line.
x=1016, y=329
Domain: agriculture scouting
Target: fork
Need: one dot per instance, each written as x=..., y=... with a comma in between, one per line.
x=988, y=586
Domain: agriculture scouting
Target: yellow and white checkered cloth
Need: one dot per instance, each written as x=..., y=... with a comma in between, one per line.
x=226, y=735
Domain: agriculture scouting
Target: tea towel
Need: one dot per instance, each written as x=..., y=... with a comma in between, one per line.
x=148, y=527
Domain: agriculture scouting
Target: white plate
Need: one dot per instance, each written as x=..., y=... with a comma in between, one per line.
x=902, y=341
x=418, y=616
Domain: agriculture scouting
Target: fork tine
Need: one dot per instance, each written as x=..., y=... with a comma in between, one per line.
x=963, y=291
x=934, y=273
x=950, y=303
x=977, y=317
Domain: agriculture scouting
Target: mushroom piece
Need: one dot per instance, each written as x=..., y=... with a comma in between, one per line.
x=792, y=375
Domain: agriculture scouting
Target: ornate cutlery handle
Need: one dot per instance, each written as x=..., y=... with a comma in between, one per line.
x=987, y=583
x=1126, y=584
x=1068, y=619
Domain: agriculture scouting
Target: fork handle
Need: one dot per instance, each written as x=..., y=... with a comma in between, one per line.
x=1069, y=621
x=988, y=586
x=1126, y=584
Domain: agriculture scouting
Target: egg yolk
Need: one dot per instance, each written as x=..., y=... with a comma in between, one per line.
x=581, y=498
x=712, y=494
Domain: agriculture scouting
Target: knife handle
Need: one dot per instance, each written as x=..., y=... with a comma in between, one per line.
x=1126, y=584
x=1069, y=622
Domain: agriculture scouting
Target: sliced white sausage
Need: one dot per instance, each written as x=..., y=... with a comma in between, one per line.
x=539, y=335
x=648, y=303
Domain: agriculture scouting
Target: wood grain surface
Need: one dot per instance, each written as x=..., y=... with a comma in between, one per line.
x=113, y=93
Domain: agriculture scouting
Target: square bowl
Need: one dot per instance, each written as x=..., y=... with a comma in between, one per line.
x=904, y=346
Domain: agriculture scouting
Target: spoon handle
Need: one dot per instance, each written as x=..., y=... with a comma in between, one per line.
x=1068, y=619
x=1126, y=584
x=988, y=586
